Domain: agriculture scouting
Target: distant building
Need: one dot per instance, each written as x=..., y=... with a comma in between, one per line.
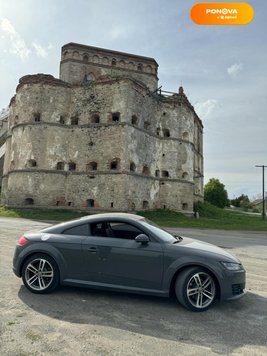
x=102, y=137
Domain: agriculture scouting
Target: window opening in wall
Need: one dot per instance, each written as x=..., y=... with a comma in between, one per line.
x=116, y=117
x=74, y=120
x=166, y=132
x=61, y=120
x=72, y=166
x=90, y=203
x=69, y=203
x=132, y=167
x=185, y=135
x=164, y=114
x=185, y=175
x=164, y=206
x=146, y=125
x=85, y=58
x=57, y=203
x=32, y=163
x=92, y=166
x=112, y=204
x=157, y=173
x=134, y=120
x=114, y=164
x=163, y=154
x=145, y=204
x=185, y=206
x=140, y=67
x=37, y=117
x=16, y=119
x=114, y=62
x=165, y=174
x=60, y=166
x=158, y=131
x=146, y=171
x=95, y=119
x=28, y=201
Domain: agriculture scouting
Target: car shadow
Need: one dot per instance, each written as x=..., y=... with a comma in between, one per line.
x=225, y=327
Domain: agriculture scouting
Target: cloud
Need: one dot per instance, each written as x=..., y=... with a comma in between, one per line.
x=41, y=51
x=205, y=108
x=17, y=43
x=235, y=69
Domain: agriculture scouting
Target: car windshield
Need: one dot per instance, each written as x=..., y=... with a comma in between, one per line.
x=161, y=233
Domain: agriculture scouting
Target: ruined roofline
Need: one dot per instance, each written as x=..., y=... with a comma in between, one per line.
x=73, y=45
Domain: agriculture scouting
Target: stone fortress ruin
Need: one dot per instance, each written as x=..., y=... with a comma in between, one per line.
x=102, y=137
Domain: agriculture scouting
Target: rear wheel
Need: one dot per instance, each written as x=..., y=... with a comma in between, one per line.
x=40, y=274
x=195, y=289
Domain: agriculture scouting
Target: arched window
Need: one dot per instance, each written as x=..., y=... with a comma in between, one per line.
x=157, y=173
x=185, y=175
x=145, y=204
x=95, y=59
x=65, y=54
x=72, y=166
x=122, y=63
x=75, y=54
x=62, y=120
x=185, y=206
x=37, y=117
x=28, y=201
x=140, y=67
x=146, y=171
x=132, y=167
x=92, y=166
x=185, y=135
x=166, y=132
x=85, y=58
x=148, y=69
x=114, y=62
x=60, y=166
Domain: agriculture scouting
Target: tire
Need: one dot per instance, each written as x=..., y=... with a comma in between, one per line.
x=196, y=289
x=40, y=274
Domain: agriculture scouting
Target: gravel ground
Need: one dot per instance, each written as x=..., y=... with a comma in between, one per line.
x=74, y=321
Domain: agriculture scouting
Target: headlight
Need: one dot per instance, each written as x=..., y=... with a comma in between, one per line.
x=232, y=266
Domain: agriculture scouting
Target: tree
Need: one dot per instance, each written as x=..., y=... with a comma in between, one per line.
x=215, y=193
x=242, y=202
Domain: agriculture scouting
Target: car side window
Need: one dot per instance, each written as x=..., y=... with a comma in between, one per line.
x=79, y=230
x=115, y=229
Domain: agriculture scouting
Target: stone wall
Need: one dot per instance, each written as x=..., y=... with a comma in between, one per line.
x=108, y=144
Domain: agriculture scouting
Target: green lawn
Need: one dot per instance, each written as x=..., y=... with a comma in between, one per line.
x=210, y=218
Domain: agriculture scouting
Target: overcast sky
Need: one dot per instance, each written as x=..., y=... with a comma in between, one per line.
x=223, y=69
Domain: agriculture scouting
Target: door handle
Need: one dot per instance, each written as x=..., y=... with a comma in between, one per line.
x=92, y=249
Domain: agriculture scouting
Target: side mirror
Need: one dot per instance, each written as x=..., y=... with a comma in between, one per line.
x=144, y=239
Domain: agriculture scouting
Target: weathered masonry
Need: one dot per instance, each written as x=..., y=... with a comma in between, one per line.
x=102, y=137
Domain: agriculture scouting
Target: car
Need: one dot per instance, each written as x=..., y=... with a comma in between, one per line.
x=129, y=253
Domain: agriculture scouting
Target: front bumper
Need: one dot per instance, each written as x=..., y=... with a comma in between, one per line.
x=233, y=285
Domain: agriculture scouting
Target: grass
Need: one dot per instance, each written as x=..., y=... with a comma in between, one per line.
x=210, y=217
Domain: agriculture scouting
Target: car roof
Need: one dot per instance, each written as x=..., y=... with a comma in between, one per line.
x=90, y=218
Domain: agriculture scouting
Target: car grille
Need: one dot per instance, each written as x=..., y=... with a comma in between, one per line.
x=238, y=288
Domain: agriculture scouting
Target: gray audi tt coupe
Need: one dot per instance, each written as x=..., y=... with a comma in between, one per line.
x=126, y=252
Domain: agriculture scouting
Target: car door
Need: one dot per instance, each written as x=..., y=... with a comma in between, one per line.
x=121, y=261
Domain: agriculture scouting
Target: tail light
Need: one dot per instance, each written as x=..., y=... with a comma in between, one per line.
x=22, y=241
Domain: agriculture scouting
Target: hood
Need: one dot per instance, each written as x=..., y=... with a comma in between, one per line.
x=206, y=247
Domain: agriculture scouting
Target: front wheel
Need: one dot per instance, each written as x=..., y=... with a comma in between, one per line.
x=40, y=274
x=195, y=289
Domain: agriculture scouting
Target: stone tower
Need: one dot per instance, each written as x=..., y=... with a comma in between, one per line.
x=102, y=137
